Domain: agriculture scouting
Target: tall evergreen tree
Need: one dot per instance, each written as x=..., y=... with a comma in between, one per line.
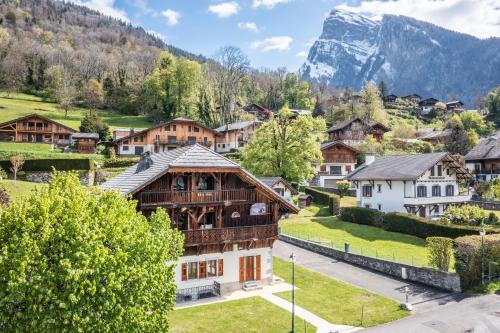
x=382, y=86
x=318, y=109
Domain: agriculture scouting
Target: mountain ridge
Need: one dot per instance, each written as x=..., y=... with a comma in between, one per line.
x=412, y=56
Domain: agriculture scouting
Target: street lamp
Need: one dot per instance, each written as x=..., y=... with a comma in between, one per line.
x=292, y=259
x=482, y=233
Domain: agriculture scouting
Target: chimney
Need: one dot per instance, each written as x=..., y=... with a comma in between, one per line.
x=144, y=163
x=369, y=159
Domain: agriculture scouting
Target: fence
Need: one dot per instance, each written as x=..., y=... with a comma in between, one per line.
x=489, y=205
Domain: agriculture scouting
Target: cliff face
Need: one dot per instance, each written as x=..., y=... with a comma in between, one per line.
x=410, y=55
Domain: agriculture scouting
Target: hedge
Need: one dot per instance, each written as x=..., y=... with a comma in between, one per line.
x=120, y=162
x=325, y=198
x=350, y=192
x=406, y=223
x=468, y=258
x=48, y=164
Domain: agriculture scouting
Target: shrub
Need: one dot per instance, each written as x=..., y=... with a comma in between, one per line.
x=325, y=198
x=362, y=215
x=467, y=215
x=343, y=188
x=78, y=259
x=4, y=197
x=112, y=153
x=121, y=162
x=3, y=174
x=440, y=252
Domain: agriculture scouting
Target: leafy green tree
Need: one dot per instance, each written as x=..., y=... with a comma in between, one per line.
x=459, y=141
x=298, y=94
x=382, y=87
x=493, y=106
x=475, y=121
x=92, y=123
x=440, y=252
x=372, y=108
x=285, y=147
x=467, y=215
x=343, y=187
x=76, y=259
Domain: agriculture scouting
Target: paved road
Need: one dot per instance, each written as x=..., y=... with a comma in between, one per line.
x=423, y=298
x=434, y=311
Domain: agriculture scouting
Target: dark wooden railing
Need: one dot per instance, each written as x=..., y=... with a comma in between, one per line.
x=221, y=235
x=171, y=197
x=34, y=128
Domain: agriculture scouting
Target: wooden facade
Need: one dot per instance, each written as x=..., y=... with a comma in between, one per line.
x=213, y=208
x=357, y=130
x=36, y=129
x=339, y=153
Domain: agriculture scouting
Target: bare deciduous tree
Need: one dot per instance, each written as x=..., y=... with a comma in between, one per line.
x=17, y=163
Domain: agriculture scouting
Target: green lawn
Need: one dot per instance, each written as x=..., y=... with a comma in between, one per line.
x=18, y=105
x=253, y=314
x=19, y=189
x=363, y=239
x=335, y=301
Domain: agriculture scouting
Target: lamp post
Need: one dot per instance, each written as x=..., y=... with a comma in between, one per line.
x=482, y=233
x=292, y=259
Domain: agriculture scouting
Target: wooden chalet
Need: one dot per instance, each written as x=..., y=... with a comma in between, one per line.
x=389, y=98
x=258, y=111
x=412, y=98
x=229, y=218
x=35, y=128
x=339, y=160
x=355, y=130
x=455, y=106
x=85, y=143
x=235, y=136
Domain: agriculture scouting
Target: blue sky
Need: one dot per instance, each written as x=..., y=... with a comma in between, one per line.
x=276, y=33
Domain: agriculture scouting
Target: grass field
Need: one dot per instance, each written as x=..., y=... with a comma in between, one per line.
x=253, y=314
x=363, y=239
x=19, y=189
x=18, y=105
x=335, y=301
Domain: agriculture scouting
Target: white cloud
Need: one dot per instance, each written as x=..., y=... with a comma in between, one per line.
x=224, y=9
x=106, y=7
x=280, y=43
x=269, y=4
x=248, y=26
x=480, y=18
x=172, y=16
x=301, y=54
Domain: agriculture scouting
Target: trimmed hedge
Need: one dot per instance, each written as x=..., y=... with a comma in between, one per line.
x=468, y=258
x=120, y=162
x=48, y=164
x=325, y=198
x=406, y=223
x=350, y=192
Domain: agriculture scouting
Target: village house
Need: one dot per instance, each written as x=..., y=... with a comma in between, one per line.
x=434, y=136
x=339, y=160
x=389, y=98
x=421, y=184
x=455, y=106
x=228, y=217
x=353, y=131
x=85, y=143
x=119, y=133
x=427, y=105
x=484, y=159
x=414, y=98
x=280, y=186
x=259, y=112
x=35, y=128
x=170, y=135
x=235, y=136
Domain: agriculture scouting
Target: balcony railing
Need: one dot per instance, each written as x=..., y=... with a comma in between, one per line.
x=173, y=197
x=34, y=128
x=486, y=171
x=222, y=235
x=437, y=199
x=183, y=142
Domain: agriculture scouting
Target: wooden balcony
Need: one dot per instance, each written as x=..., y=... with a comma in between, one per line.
x=183, y=142
x=34, y=129
x=229, y=235
x=195, y=197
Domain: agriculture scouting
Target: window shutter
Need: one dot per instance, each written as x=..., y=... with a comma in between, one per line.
x=242, y=269
x=203, y=269
x=257, y=268
x=184, y=272
x=220, y=269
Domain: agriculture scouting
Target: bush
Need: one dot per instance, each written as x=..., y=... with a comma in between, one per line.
x=49, y=164
x=78, y=259
x=440, y=252
x=362, y=215
x=4, y=197
x=343, y=188
x=467, y=215
x=468, y=257
x=120, y=162
x=3, y=174
x=325, y=198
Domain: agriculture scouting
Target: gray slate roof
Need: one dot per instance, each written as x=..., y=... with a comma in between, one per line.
x=487, y=148
x=397, y=167
x=236, y=126
x=271, y=181
x=85, y=136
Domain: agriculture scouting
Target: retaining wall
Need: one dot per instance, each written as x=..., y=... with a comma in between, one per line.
x=434, y=278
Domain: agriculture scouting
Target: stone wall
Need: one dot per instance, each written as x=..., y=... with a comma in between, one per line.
x=434, y=278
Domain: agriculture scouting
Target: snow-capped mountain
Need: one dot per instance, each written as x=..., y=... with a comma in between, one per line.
x=411, y=56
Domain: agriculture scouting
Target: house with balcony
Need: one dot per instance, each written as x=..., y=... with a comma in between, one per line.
x=228, y=217
x=483, y=161
x=120, y=132
x=427, y=105
x=421, y=184
x=167, y=136
x=414, y=98
x=339, y=159
x=354, y=131
x=280, y=186
x=35, y=128
x=85, y=143
x=235, y=136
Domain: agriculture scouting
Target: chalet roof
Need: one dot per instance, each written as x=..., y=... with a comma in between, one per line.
x=85, y=136
x=236, y=126
x=165, y=124
x=38, y=116
x=428, y=101
x=487, y=148
x=196, y=157
x=301, y=112
x=257, y=106
x=327, y=145
x=411, y=96
x=403, y=167
x=435, y=135
x=454, y=103
x=346, y=123
x=271, y=181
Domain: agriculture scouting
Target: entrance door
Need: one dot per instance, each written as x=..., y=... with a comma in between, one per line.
x=249, y=269
x=39, y=138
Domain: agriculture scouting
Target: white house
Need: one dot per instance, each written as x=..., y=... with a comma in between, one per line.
x=422, y=184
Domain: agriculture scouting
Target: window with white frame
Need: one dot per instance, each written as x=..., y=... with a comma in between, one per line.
x=212, y=268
